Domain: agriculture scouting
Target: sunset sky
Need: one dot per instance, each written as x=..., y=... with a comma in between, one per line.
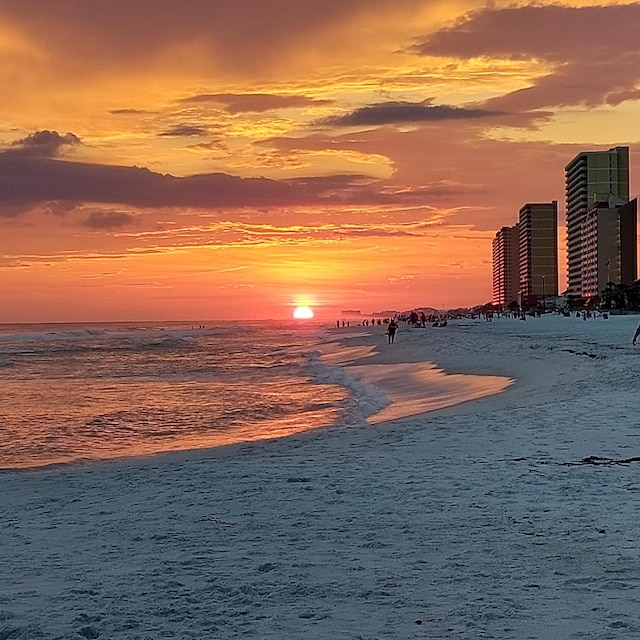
x=229, y=159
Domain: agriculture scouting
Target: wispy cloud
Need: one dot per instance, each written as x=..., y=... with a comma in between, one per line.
x=235, y=103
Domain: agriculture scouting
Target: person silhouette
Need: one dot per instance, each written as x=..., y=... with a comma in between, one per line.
x=391, y=331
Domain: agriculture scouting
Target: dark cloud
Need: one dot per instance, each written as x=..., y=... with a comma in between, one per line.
x=45, y=144
x=400, y=112
x=184, y=131
x=211, y=145
x=108, y=220
x=60, y=208
x=595, y=51
x=547, y=32
x=257, y=102
x=26, y=182
x=232, y=37
x=129, y=112
x=622, y=96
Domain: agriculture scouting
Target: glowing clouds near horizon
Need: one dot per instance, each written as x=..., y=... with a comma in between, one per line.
x=303, y=313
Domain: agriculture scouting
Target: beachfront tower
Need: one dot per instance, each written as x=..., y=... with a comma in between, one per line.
x=538, y=227
x=592, y=176
x=609, y=246
x=506, y=266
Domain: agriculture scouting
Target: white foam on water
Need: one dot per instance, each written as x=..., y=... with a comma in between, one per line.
x=415, y=388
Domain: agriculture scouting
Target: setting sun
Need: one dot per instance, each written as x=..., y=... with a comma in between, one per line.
x=204, y=173
x=303, y=313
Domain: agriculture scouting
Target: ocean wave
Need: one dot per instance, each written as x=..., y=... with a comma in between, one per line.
x=119, y=390
x=365, y=399
x=51, y=336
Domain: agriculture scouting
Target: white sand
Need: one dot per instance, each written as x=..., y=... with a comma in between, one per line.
x=475, y=521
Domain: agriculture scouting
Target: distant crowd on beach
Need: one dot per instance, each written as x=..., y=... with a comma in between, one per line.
x=421, y=319
x=413, y=319
x=365, y=322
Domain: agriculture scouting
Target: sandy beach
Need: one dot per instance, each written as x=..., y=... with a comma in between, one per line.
x=510, y=515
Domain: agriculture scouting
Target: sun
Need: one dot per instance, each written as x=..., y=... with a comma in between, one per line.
x=303, y=313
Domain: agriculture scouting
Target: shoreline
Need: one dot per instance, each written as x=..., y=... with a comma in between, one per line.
x=412, y=385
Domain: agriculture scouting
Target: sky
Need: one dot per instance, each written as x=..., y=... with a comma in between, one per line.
x=234, y=159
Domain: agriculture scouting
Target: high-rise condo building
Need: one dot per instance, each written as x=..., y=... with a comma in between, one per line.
x=506, y=265
x=592, y=176
x=609, y=245
x=538, y=237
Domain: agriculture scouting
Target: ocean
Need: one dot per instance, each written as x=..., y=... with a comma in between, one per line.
x=74, y=393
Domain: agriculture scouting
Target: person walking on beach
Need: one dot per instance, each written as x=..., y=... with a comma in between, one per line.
x=391, y=330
